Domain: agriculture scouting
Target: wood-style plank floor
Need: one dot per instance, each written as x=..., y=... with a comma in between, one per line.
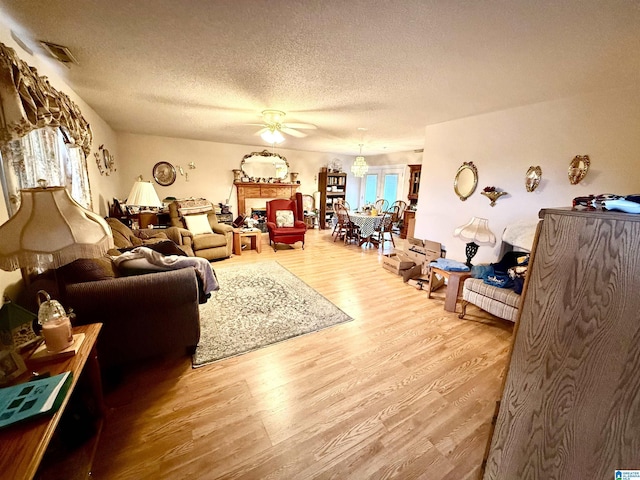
x=404, y=391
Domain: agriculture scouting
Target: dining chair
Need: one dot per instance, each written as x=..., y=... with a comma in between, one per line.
x=309, y=208
x=345, y=204
x=385, y=227
x=381, y=205
x=397, y=220
x=345, y=228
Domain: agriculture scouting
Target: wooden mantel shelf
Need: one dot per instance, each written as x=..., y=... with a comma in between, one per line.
x=263, y=190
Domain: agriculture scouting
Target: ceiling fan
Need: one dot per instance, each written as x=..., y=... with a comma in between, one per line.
x=274, y=126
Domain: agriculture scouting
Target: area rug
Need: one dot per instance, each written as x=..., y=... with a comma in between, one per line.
x=258, y=305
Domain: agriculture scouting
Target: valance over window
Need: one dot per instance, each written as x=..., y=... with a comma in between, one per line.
x=28, y=102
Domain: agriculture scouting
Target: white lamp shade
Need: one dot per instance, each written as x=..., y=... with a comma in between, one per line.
x=143, y=194
x=50, y=230
x=476, y=231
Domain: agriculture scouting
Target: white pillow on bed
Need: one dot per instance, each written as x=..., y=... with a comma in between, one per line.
x=198, y=224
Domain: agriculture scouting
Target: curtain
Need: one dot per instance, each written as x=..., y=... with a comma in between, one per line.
x=29, y=102
x=43, y=155
x=43, y=134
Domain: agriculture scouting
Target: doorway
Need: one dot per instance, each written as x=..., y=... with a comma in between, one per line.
x=382, y=182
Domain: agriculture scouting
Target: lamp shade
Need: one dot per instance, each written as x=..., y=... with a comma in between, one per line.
x=50, y=230
x=143, y=194
x=476, y=231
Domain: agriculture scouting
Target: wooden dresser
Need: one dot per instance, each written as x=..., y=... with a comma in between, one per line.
x=570, y=407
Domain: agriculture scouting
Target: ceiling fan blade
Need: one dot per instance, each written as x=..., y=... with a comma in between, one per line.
x=303, y=126
x=292, y=132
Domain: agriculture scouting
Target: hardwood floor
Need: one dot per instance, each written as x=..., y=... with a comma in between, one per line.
x=404, y=391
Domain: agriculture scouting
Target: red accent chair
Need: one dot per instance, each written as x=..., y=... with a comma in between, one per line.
x=277, y=224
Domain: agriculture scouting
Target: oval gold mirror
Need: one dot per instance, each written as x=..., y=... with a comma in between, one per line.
x=578, y=168
x=264, y=165
x=532, y=178
x=466, y=180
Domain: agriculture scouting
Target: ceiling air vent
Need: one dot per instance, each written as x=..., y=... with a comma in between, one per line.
x=59, y=52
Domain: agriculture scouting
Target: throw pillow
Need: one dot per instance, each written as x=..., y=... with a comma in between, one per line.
x=198, y=224
x=284, y=218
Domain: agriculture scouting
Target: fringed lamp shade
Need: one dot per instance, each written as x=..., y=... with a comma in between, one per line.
x=50, y=230
x=476, y=232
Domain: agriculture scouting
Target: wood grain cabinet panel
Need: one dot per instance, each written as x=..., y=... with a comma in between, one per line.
x=571, y=402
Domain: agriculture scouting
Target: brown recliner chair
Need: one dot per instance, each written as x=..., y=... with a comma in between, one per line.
x=124, y=237
x=213, y=246
x=286, y=227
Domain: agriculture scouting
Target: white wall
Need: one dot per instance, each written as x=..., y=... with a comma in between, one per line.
x=213, y=177
x=504, y=144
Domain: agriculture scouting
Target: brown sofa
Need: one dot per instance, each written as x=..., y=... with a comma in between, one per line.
x=212, y=246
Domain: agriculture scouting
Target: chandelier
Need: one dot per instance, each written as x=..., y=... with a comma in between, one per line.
x=359, y=167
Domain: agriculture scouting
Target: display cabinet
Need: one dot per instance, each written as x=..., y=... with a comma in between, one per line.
x=414, y=183
x=332, y=187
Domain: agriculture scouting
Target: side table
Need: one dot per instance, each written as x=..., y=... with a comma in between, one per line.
x=454, y=285
x=24, y=444
x=256, y=240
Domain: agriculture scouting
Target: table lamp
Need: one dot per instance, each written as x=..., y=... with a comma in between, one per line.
x=49, y=230
x=476, y=232
x=143, y=195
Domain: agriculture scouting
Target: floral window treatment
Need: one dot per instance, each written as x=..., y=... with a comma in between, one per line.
x=42, y=134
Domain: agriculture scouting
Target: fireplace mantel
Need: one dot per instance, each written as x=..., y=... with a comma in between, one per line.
x=263, y=190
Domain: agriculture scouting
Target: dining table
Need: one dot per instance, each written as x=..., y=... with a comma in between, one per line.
x=368, y=224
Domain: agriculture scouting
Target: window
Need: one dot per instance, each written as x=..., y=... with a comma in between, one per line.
x=43, y=154
x=382, y=182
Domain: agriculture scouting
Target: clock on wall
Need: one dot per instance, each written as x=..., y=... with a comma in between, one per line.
x=164, y=173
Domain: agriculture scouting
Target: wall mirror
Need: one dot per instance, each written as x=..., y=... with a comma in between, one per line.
x=264, y=165
x=578, y=168
x=466, y=180
x=532, y=178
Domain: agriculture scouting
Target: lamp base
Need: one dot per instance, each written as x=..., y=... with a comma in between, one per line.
x=470, y=250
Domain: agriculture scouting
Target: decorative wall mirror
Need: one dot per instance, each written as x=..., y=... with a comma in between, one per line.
x=265, y=166
x=466, y=180
x=532, y=178
x=578, y=168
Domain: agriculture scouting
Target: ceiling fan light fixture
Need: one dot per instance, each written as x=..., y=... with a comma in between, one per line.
x=272, y=136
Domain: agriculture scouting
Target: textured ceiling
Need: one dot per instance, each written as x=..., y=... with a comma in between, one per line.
x=206, y=69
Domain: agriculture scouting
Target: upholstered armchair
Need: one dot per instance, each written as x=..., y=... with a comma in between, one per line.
x=198, y=232
x=285, y=221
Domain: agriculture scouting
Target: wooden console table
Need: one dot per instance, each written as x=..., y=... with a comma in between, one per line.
x=263, y=190
x=24, y=444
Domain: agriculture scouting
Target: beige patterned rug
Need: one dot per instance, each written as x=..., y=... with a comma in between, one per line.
x=258, y=305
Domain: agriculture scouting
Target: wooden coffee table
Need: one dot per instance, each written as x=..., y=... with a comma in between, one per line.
x=254, y=235
x=454, y=285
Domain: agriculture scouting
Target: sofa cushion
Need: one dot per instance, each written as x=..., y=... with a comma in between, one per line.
x=496, y=294
x=213, y=240
x=88, y=270
x=198, y=224
x=284, y=218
